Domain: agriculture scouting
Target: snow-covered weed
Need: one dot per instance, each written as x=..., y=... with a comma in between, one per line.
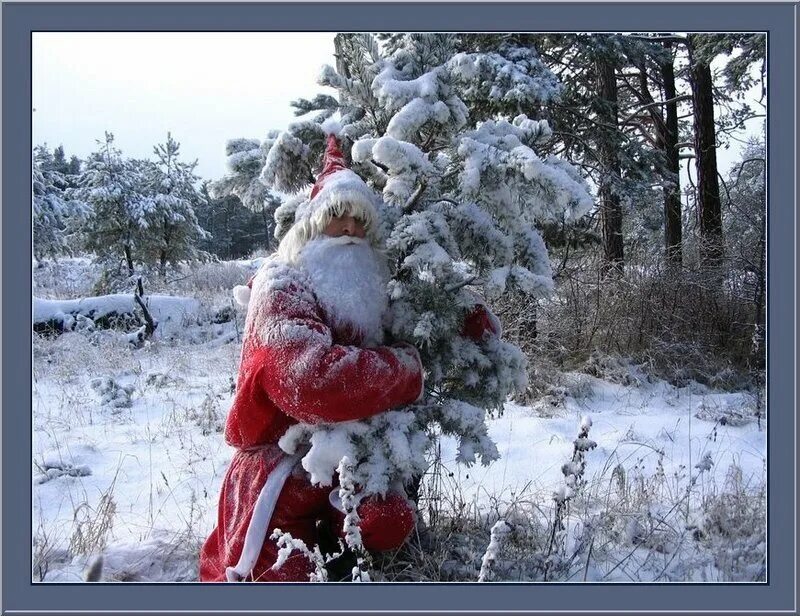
x=46, y=550
x=208, y=416
x=626, y=521
x=734, y=528
x=288, y=544
x=92, y=524
x=498, y=534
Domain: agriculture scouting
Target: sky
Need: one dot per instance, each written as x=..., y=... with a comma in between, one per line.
x=203, y=87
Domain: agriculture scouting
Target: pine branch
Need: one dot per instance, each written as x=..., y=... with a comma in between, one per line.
x=409, y=206
x=682, y=97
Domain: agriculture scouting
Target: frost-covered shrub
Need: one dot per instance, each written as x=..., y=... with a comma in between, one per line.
x=67, y=277
x=111, y=393
x=678, y=324
x=162, y=380
x=614, y=369
x=208, y=416
x=726, y=415
x=734, y=528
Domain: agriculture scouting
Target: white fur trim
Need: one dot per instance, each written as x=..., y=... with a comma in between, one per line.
x=242, y=293
x=421, y=395
x=345, y=187
x=259, y=522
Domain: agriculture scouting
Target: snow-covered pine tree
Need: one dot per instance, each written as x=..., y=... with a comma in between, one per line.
x=462, y=195
x=55, y=216
x=245, y=160
x=173, y=228
x=116, y=223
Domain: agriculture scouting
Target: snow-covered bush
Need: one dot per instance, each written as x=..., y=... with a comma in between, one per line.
x=112, y=394
x=498, y=534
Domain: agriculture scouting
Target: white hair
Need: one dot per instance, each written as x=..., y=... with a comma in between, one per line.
x=313, y=226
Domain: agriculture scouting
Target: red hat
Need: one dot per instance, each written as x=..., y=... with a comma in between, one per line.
x=338, y=185
x=333, y=162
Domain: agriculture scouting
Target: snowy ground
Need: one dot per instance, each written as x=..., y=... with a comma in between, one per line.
x=134, y=467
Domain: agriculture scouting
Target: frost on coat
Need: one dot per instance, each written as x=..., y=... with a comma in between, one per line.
x=307, y=369
x=297, y=370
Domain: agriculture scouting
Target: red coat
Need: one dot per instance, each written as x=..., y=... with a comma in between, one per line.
x=294, y=368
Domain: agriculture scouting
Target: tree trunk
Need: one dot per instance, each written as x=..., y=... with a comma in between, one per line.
x=672, y=190
x=128, y=259
x=610, y=208
x=708, y=197
x=164, y=252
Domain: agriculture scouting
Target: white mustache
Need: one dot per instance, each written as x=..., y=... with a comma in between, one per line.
x=345, y=240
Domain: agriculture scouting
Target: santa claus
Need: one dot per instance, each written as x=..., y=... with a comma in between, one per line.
x=313, y=352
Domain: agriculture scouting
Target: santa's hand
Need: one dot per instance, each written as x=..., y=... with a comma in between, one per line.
x=480, y=322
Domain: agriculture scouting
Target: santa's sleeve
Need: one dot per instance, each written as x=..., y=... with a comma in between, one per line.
x=314, y=380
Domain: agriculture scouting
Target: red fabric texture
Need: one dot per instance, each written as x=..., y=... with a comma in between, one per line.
x=385, y=522
x=333, y=161
x=306, y=372
x=477, y=323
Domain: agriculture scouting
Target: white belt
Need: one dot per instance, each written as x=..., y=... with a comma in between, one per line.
x=262, y=514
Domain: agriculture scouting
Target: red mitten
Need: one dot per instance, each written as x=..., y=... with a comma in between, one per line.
x=385, y=522
x=478, y=322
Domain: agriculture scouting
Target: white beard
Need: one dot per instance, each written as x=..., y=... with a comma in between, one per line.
x=349, y=279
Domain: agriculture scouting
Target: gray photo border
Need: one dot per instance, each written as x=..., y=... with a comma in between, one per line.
x=20, y=595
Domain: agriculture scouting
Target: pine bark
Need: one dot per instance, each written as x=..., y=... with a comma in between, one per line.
x=708, y=197
x=673, y=236
x=610, y=207
x=128, y=259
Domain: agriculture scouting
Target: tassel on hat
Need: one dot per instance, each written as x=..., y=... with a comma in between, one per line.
x=242, y=293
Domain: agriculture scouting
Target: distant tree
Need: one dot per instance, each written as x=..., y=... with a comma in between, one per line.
x=246, y=159
x=60, y=163
x=235, y=231
x=172, y=227
x=602, y=122
x=117, y=222
x=55, y=215
x=709, y=203
x=745, y=204
x=709, y=131
x=74, y=167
